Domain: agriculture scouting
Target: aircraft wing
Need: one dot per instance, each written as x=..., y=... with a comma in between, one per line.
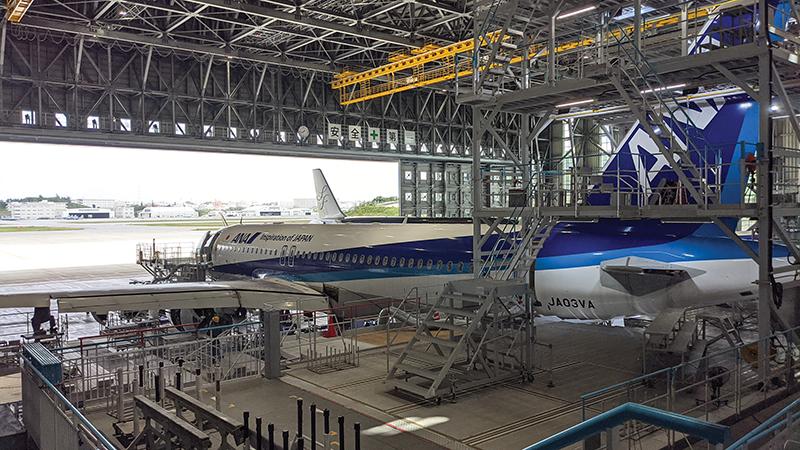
x=641, y=276
x=280, y=294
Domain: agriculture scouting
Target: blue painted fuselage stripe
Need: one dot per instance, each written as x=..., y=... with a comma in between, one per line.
x=571, y=245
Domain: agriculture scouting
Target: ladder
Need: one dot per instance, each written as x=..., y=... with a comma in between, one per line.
x=476, y=342
x=501, y=26
x=668, y=122
x=515, y=248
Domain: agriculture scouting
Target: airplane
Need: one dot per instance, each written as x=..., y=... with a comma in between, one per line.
x=601, y=270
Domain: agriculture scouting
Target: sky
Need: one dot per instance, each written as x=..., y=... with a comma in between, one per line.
x=175, y=176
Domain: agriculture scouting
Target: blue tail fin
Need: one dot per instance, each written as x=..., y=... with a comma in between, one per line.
x=727, y=127
x=722, y=130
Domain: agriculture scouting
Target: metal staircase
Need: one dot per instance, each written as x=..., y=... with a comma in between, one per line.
x=478, y=340
x=516, y=245
x=654, y=104
x=500, y=37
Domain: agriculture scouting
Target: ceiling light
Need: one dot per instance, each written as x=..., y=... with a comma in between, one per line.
x=629, y=11
x=576, y=12
x=575, y=103
x=665, y=88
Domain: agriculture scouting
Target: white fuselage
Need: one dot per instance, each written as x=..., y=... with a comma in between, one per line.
x=389, y=260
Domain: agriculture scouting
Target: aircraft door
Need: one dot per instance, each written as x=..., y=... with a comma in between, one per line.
x=292, y=252
x=284, y=252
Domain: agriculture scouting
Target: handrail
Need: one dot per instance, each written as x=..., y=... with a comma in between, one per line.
x=713, y=433
x=101, y=439
x=768, y=426
x=597, y=393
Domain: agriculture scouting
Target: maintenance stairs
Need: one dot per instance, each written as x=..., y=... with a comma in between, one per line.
x=666, y=120
x=484, y=333
x=476, y=341
x=501, y=41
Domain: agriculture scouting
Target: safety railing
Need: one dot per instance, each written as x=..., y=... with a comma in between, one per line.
x=712, y=387
x=776, y=432
x=178, y=261
x=52, y=421
x=401, y=319
x=577, y=180
x=610, y=421
x=98, y=370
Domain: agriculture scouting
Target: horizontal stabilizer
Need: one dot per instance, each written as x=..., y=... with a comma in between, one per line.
x=641, y=276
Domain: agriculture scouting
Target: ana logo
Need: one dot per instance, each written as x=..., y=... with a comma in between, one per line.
x=245, y=238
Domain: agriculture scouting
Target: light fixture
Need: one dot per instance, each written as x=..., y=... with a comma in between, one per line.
x=575, y=103
x=665, y=88
x=576, y=12
x=775, y=108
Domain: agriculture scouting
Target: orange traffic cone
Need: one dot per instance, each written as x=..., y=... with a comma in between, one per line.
x=330, y=332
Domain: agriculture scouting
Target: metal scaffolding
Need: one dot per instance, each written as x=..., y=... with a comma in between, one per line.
x=627, y=70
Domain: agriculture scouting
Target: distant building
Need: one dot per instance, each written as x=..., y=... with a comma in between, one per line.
x=88, y=213
x=37, y=210
x=261, y=211
x=168, y=212
x=297, y=212
x=309, y=203
x=124, y=212
x=97, y=203
x=121, y=209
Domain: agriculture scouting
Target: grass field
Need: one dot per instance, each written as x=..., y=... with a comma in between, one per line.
x=35, y=228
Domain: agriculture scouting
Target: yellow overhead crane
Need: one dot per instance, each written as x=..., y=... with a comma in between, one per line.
x=15, y=9
x=431, y=65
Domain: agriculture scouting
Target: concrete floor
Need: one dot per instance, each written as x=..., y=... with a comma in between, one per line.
x=510, y=415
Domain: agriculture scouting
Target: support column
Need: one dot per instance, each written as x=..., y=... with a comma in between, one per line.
x=271, y=331
x=764, y=198
x=637, y=28
x=684, y=29
x=477, y=133
x=551, y=50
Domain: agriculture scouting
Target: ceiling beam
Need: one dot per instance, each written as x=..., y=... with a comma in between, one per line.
x=101, y=34
x=307, y=21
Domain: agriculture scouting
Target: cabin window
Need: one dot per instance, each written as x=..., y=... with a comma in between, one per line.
x=461, y=267
x=361, y=259
x=347, y=258
x=402, y=261
x=369, y=259
x=341, y=257
x=385, y=260
x=429, y=265
x=439, y=264
x=393, y=261
x=314, y=256
x=327, y=257
x=449, y=266
x=419, y=263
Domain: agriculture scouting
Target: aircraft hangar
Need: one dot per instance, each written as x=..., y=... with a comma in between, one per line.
x=594, y=238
